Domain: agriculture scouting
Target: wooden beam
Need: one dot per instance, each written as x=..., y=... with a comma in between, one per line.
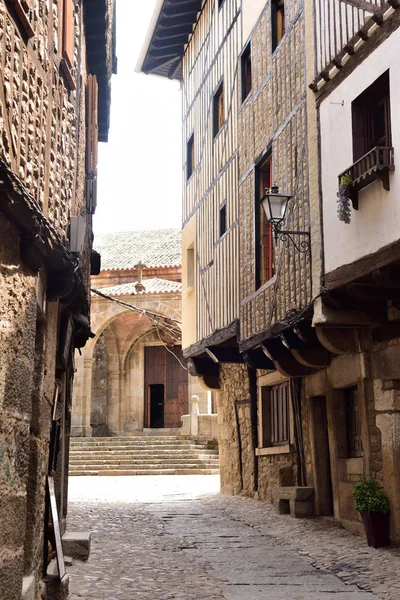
x=227, y=336
x=338, y=340
x=312, y=357
x=364, y=266
x=256, y=359
x=291, y=368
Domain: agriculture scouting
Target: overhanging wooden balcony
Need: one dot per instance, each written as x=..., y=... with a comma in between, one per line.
x=374, y=165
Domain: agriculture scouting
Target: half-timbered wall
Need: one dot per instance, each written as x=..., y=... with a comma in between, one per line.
x=273, y=119
x=211, y=58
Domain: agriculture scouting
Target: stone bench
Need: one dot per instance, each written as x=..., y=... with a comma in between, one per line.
x=294, y=500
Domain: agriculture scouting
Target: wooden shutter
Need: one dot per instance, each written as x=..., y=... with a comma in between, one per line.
x=279, y=419
x=68, y=32
x=92, y=138
x=26, y=4
x=266, y=234
x=22, y=7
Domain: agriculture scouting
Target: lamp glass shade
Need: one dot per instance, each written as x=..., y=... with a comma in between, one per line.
x=275, y=206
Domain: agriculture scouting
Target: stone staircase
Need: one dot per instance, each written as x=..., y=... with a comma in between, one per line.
x=141, y=455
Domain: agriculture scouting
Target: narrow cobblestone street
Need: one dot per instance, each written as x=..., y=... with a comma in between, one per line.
x=162, y=538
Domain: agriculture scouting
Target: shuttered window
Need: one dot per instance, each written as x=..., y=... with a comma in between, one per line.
x=92, y=137
x=190, y=163
x=266, y=247
x=219, y=110
x=66, y=38
x=277, y=22
x=22, y=8
x=247, y=81
x=275, y=415
x=353, y=424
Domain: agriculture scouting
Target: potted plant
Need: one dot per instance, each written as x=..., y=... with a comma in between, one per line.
x=344, y=198
x=373, y=504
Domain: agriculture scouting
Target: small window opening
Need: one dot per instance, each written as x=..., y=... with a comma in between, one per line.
x=219, y=113
x=247, y=82
x=190, y=157
x=277, y=22
x=222, y=220
x=190, y=267
x=353, y=424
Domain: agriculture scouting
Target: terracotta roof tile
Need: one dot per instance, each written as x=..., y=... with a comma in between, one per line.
x=155, y=249
x=152, y=286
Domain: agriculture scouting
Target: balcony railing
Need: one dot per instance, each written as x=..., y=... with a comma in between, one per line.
x=376, y=164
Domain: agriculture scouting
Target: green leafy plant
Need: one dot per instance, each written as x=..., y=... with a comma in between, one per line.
x=343, y=207
x=370, y=497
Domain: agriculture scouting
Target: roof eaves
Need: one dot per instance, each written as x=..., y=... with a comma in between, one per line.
x=164, y=46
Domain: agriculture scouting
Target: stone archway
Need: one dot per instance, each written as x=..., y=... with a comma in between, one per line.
x=109, y=410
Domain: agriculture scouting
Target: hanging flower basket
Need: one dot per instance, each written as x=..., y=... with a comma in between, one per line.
x=344, y=198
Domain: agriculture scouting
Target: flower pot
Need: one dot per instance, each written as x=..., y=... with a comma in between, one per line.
x=376, y=528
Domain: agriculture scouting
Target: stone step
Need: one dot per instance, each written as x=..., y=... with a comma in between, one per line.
x=93, y=447
x=150, y=461
x=134, y=455
x=131, y=472
x=151, y=466
x=144, y=453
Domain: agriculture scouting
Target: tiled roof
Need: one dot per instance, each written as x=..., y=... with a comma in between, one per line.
x=155, y=248
x=152, y=286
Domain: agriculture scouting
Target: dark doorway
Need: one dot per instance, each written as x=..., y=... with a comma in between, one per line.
x=156, y=401
x=164, y=368
x=322, y=461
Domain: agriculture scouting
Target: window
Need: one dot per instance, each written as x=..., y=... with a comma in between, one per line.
x=190, y=157
x=371, y=118
x=247, y=82
x=190, y=266
x=353, y=424
x=22, y=8
x=277, y=22
x=220, y=3
x=218, y=109
x=92, y=138
x=275, y=415
x=264, y=240
x=66, y=40
x=222, y=220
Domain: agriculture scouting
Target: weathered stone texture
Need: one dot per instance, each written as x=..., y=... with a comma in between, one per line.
x=236, y=454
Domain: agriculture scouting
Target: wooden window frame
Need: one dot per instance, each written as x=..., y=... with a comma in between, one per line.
x=218, y=109
x=362, y=108
x=264, y=250
x=246, y=72
x=278, y=22
x=220, y=3
x=353, y=423
x=92, y=142
x=190, y=158
x=21, y=9
x=275, y=416
x=222, y=219
x=66, y=39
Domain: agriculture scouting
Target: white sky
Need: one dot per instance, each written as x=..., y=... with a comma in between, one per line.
x=139, y=175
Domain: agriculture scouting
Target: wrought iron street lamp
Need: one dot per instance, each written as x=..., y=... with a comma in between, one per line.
x=275, y=206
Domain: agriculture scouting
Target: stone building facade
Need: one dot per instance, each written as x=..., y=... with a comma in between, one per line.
x=56, y=65
x=134, y=362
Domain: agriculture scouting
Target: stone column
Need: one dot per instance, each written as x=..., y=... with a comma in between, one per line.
x=194, y=416
x=114, y=400
x=82, y=397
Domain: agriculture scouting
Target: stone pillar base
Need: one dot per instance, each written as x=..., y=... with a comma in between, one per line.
x=81, y=431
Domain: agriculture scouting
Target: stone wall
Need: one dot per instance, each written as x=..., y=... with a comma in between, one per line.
x=43, y=142
x=234, y=428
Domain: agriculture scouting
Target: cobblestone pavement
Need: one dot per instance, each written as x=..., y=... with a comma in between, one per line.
x=166, y=537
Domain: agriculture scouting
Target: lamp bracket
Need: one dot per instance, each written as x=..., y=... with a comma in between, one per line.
x=284, y=235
